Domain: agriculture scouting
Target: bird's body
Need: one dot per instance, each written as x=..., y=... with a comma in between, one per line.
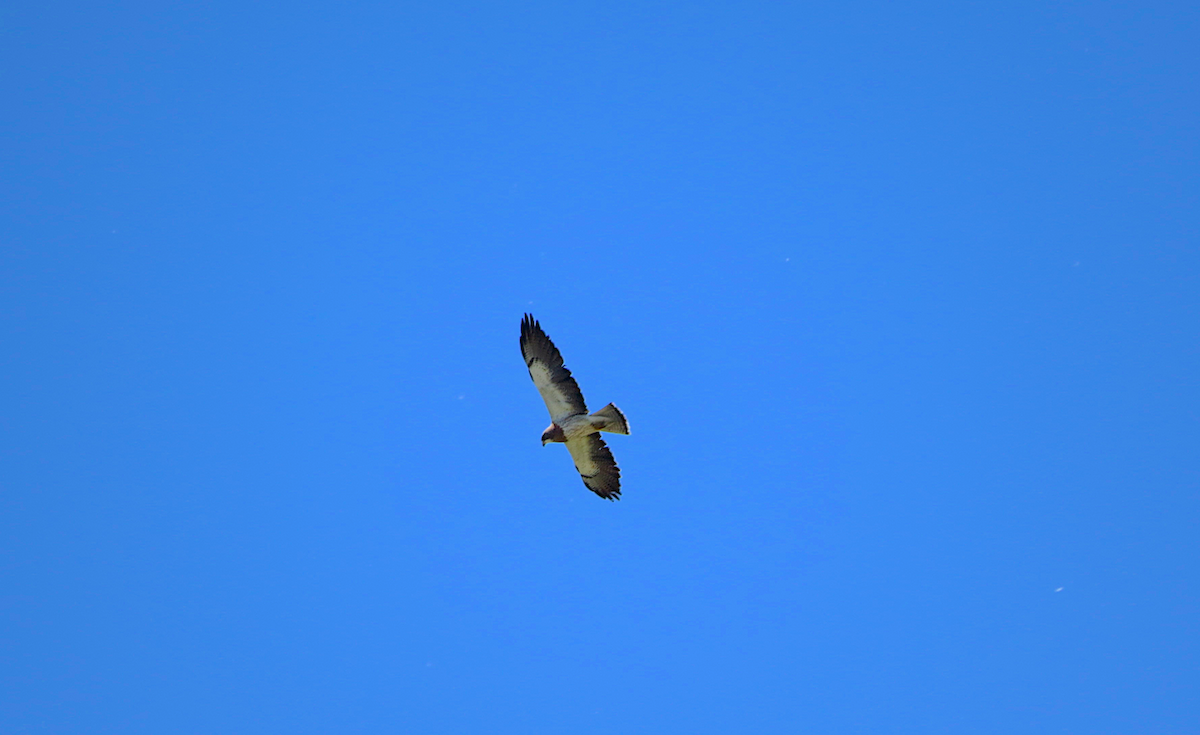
x=577, y=427
x=582, y=424
x=571, y=424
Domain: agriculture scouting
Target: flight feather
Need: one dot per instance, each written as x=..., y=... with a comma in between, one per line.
x=559, y=390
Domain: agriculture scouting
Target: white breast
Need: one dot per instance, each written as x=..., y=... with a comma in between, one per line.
x=578, y=425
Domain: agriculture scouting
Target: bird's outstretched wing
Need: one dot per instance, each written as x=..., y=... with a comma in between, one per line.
x=559, y=390
x=596, y=466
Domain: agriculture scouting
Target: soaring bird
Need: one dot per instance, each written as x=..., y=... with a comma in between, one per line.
x=570, y=422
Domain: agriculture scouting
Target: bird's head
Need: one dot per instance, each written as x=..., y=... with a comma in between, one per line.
x=553, y=433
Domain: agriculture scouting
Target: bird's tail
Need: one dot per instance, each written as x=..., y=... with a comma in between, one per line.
x=614, y=420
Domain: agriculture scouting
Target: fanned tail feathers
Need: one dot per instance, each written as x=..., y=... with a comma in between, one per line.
x=614, y=420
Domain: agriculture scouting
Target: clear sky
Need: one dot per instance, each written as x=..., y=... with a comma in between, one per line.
x=901, y=300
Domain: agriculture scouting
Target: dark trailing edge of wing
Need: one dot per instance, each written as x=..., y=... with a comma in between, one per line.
x=606, y=481
x=536, y=346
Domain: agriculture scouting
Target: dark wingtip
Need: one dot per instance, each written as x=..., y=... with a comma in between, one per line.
x=529, y=327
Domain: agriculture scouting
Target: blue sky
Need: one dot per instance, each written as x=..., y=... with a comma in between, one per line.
x=901, y=301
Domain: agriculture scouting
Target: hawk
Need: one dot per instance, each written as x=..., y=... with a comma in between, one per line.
x=570, y=422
